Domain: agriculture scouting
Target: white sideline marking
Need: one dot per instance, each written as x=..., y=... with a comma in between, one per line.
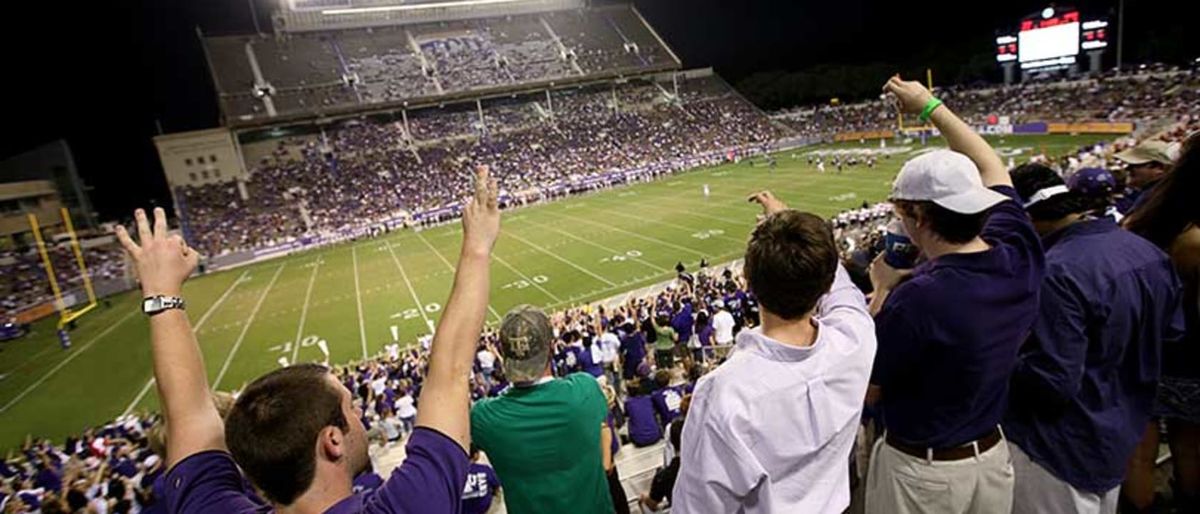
x=362, y=331
x=304, y=310
x=150, y=383
x=451, y=268
x=69, y=358
x=569, y=263
x=246, y=327
x=413, y=292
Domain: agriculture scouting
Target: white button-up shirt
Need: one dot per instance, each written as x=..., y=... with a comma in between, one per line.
x=771, y=429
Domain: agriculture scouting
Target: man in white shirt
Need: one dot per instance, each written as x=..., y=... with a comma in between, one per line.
x=722, y=324
x=772, y=428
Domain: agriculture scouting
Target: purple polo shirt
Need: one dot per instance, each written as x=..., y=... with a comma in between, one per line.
x=430, y=480
x=644, y=429
x=948, y=337
x=667, y=403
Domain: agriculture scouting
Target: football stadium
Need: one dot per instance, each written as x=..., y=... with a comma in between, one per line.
x=546, y=256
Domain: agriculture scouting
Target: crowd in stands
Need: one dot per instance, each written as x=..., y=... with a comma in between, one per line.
x=359, y=67
x=23, y=281
x=367, y=173
x=1151, y=95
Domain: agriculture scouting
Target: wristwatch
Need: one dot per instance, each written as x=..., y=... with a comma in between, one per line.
x=152, y=305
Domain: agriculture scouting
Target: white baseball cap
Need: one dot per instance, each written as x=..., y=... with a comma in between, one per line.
x=947, y=178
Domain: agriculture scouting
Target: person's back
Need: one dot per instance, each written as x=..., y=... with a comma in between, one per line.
x=543, y=434
x=543, y=441
x=644, y=429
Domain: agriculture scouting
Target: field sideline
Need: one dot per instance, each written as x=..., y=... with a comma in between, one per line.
x=563, y=253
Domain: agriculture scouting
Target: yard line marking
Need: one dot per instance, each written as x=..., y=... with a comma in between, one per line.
x=666, y=224
x=69, y=358
x=195, y=329
x=413, y=292
x=525, y=278
x=569, y=263
x=362, y=331
x=730, y=222
x=246, y=327
x=639, y=236
x=316, y=264
x=451, y=268
x=614, y=252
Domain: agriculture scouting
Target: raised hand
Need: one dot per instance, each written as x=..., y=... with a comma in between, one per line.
x=162, y=261
x=911, y=94
x=481, y=218
x=769, y=203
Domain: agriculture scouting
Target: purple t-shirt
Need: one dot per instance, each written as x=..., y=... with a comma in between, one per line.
x=644, y=429
x=430, y=480
x=481, y=487
x=667, y=403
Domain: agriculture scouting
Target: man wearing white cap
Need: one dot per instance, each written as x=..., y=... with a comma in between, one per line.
x=949, y=334
x=723, y=324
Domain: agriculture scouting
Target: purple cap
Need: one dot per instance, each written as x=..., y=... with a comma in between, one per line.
x=1092, y=182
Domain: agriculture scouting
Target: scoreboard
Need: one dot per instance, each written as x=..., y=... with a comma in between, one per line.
x=1052, y=38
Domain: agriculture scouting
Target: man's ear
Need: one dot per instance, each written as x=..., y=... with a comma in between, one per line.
x=332, y=443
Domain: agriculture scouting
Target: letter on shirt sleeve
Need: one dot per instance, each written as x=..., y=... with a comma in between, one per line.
x=716, y=469
x=1050, y=368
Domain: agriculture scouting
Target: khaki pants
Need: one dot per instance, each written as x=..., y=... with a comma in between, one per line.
x=1039, y=492
x=898, y=483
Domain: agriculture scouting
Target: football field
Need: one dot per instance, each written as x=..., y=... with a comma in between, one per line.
x=351, y=295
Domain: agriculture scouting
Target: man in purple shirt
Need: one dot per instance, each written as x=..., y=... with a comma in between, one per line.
x=482, y=486
x=949, y=335
x=1085, y=380
x=295, y=432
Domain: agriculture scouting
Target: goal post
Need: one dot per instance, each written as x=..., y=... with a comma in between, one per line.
x=66, y=313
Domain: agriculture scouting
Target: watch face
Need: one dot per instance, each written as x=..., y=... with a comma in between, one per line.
x=148, y=305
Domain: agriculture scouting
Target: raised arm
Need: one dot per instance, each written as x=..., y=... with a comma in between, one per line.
x=445, y=398
x=914, y=98
x=163, y=262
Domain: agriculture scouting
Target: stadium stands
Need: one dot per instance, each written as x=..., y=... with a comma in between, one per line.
x=376, y=174
x=23, y=277
x=317, y=72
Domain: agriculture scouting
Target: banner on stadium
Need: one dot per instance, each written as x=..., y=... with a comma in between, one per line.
x=34, y=313
x=1036, y=127
x=998, y=129
x=867, y=134
x=1094, y=127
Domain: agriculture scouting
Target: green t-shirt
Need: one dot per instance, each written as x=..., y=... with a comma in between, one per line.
x=666, y=338
x=544, y=442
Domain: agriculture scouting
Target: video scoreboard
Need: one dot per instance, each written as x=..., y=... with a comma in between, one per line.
x=1052, y=38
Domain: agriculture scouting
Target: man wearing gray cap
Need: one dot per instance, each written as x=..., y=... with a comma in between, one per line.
x=543, y=434
x=1146, y=164
x=949, y=335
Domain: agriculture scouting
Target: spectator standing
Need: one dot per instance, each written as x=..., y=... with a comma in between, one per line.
x=722, y=324
x=770, y=430
x=1170, y=218
x=1084, y=385
x=543, y=433
x=1146, y=164
x=294, y=432
x=948, y=336
x=664, y=344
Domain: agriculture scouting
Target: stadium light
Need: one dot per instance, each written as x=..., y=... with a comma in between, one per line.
x=1048, y=13
x=416, y=7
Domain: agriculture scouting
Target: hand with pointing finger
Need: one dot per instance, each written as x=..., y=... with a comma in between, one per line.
x=163, y=261
x=769, y=203
x=481, y=216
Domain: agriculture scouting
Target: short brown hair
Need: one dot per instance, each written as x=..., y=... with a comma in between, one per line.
x=790, y=262
x=272, y=430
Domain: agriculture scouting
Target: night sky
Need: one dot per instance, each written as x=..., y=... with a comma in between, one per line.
x=101, y=73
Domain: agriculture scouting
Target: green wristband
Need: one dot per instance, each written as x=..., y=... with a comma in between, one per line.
x=930, y=106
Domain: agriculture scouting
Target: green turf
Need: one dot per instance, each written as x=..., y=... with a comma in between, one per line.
x=572, y=251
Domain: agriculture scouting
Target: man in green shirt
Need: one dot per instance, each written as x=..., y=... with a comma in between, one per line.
x=543, y=434
x=664, y=344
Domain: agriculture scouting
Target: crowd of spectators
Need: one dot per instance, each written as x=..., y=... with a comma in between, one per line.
x=1150, y=95
x=366, y=173
x=313, y=72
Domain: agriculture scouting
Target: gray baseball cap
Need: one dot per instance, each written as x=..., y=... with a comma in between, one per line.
x=525, y=332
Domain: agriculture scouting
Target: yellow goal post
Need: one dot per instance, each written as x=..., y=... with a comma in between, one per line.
x=66, y=314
